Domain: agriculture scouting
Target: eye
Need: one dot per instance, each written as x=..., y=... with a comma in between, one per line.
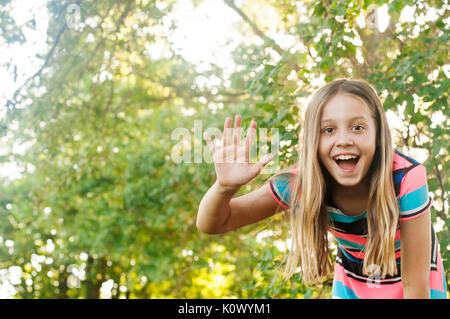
x=359, y=127
x=328, y=130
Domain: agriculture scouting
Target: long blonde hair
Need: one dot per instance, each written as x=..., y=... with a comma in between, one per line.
x=308, y=216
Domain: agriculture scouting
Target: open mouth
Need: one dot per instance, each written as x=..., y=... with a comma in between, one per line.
x=347, y=163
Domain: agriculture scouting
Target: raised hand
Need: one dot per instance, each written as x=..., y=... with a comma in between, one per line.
x=232, y=160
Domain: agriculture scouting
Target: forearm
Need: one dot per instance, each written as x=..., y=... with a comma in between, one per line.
x=416, y=292
x=214, y=209
x=416, y=255
x=416, y=284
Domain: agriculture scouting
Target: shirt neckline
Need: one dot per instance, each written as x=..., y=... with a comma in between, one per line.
x=338, y=211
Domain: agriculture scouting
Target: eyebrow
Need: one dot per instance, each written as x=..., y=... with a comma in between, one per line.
x=351, y=119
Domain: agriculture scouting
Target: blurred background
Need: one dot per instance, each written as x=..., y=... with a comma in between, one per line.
x=94, y=199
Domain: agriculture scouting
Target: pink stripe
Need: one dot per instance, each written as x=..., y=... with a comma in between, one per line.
x=436, y=276
x=386, y=291
x=367, y=289
x=353, y=238
x=356, y=254
x=399, y=162
x=402, y=219
x=413, y=180
x=362, y=254
x=358, y=239
x=361, y=241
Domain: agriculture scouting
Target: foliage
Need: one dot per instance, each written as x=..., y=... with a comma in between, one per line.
x=101, y=204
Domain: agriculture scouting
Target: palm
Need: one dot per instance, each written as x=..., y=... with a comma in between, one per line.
x=231, y=171
x=232, y=159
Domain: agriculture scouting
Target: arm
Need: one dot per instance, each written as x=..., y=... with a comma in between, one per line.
x=220, y=213
x=416, y=254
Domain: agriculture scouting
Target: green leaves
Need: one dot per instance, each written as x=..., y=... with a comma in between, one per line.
x=104, y=184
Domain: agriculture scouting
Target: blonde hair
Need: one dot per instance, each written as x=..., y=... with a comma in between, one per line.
x=308, y=217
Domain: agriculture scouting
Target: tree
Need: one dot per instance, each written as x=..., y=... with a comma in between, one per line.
x=101, y=209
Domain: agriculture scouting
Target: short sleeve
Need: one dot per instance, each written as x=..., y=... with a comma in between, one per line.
x=414, y=199
x=281, y=187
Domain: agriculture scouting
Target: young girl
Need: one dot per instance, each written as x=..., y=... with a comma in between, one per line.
x=349, y=182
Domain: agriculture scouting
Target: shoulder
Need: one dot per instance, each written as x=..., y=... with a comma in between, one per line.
x=410, y=182
x=281, y=186
x=405, y=169
x=402, y=161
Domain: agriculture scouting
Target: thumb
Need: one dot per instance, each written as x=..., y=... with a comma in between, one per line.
x=257, y=167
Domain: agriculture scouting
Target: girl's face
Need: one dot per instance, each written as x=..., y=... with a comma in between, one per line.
x=347, y=139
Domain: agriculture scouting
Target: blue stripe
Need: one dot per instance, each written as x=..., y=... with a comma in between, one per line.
x=344, y=218
x=437, y=294
x=398, y=177
x=342, y=291
x=413, y=199
x=283, y=189
x=356, y=260
x=443, y=279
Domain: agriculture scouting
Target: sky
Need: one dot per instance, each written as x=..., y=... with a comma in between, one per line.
x=23, y=56
x=195, y=39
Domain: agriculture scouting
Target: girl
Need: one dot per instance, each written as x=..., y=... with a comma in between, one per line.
x=350, y=182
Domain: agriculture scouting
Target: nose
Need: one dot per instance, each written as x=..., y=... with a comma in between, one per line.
x=343, y=138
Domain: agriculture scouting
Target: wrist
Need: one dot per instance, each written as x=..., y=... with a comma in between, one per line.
x=226, y=189
x=413, y=292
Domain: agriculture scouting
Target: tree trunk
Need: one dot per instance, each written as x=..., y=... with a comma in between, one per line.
x=94, y=268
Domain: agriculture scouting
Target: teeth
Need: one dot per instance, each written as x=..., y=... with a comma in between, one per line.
x=345, y=157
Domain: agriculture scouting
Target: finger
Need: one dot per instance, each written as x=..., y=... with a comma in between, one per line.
x=227, y=132
x=226, y=139
x=237, y=129
x=209, y=142
x=236, y=134
x=265, y=159
x=249, y=140
x=257, y=167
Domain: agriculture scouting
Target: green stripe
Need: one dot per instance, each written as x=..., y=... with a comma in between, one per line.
x=350, y=244
x=344, y=218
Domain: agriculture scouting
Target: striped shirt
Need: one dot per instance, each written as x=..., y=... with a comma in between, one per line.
x=350, y=232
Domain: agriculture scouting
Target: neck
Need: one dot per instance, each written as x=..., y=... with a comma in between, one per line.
x=359, y=190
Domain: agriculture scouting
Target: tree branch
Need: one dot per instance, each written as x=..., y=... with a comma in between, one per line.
x=260, y=33
x=13, y=101
x=208, y=95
